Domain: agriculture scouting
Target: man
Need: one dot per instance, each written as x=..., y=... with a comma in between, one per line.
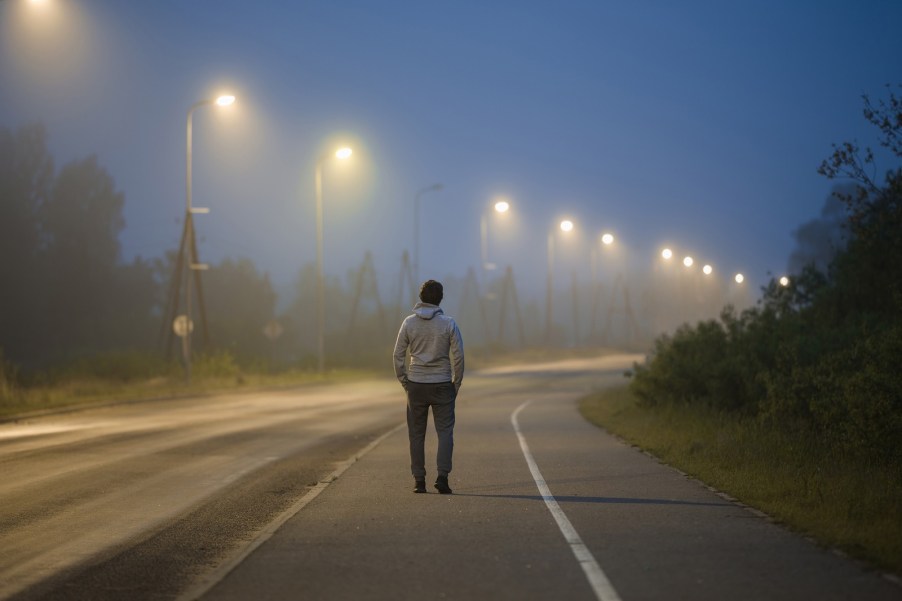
x=432, y=379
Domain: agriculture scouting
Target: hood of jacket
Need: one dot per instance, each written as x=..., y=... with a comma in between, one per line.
x=426, y=311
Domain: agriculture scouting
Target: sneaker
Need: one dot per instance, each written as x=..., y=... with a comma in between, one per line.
x=420, y=486
x=441, y=485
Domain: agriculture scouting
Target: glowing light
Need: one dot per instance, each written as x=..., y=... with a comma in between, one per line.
x=666, y=254
x=607, y=239
x=784, y=281
x=225, y=100
x=566, y=225
x=688, y=261
x=502, y=206
x=707, y=270
x=343, y=153
x=739, y=278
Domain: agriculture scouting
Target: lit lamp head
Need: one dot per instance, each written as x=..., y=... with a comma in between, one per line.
x=784, y=281
x=707, y=270
x=225, y=100
x=688, y=261
x=607, y=239
x=502, y=206
x=666, y=254
x=566, y=225
x=343, y=153
x=739, y=278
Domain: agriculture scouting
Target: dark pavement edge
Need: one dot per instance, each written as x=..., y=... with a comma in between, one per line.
x=211, y=579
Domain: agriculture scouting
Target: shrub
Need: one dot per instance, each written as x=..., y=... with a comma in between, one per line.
x=220, y=364
x=9, y=380
x=117, y=366
x=851, y=397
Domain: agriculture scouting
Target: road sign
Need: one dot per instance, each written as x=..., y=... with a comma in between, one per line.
x=273, y=329
x=182, y=326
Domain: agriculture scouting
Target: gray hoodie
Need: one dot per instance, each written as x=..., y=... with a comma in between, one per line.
x=436, y=348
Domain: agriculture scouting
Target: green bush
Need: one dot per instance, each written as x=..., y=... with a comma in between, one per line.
x=719, y=364
x=9, y=380
x=220, y=364
x=852, y=397
x=127, y=366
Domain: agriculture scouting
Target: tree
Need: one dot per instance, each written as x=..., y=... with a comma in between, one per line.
x=26, y=179
x=869, y=274
x=240, y=302
x=81, y=221
x=818, y=240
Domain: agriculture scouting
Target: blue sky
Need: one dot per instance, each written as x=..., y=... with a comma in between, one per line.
x=695, y=124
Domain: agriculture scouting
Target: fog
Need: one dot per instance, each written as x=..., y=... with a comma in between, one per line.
x=672, y=127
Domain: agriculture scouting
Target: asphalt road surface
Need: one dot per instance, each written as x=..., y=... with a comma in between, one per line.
x=306, y=494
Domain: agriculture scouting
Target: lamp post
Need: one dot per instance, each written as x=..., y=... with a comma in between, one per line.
x=341, y=154
x=565, y=226
x=416, y=229
x=501, y=207
x=607, y=239
x=224, y=100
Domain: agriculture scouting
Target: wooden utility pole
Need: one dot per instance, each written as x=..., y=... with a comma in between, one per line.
x=509, y=291
x=366, y=284
x=184, y=270
x=406, y=276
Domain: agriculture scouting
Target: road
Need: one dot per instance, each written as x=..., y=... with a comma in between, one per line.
x=228, y=497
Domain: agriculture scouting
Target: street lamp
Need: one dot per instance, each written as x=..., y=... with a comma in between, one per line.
x=501, y=207
x=707, y=270
x=607, y=239
x=224, y=100
x=416, y=229
x=341, y=154
x=666, y=254
x=565, y=226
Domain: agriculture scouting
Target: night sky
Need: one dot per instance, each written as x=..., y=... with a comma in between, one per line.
x=697, y=125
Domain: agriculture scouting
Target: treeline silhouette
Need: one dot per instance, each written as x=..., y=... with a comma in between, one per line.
x=68, y=298
x=67, y=295
x=821, y=354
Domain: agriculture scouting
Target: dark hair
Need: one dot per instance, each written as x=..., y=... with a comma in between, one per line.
x=432, y=292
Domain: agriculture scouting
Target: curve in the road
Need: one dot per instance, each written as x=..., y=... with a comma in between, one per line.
x=599, y=582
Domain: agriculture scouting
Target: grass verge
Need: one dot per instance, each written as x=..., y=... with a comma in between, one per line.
x=137, y=376
x=839, y=501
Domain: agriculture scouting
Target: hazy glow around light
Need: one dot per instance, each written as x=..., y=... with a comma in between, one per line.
x=566, y=225
x=225, y=100
x=502, y=206
x=688, y=261
x=784, y=281
x=707, y=269
x=343, y=153
x=739, y=278
x=607, y=239
x=667, y=253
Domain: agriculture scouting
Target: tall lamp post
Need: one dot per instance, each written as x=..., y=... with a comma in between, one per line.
x=416, y=229
x=607, y=239
x=501, y=207
x=225, y=100
x=342, y=153
x=566, y=226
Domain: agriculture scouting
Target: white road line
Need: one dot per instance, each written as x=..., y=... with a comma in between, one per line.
x=597, y=579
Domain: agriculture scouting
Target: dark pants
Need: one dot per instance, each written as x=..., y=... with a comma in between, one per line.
x=441, y=398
